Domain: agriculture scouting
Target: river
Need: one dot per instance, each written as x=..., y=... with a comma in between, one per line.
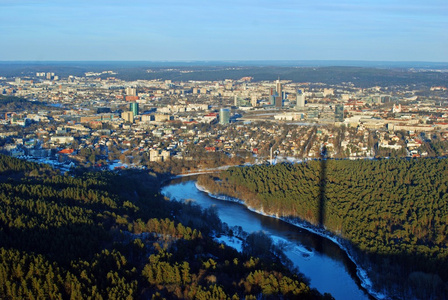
x=327, y=266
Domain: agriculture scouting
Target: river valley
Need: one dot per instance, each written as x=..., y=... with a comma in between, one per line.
x=327, y=266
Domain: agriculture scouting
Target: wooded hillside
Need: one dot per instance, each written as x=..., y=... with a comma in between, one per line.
x=113, y=236
x=396, y=211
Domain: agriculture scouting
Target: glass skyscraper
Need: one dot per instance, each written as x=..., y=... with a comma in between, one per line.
x=133, y=106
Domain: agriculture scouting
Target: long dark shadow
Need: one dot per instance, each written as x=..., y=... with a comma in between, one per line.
x=322, y=185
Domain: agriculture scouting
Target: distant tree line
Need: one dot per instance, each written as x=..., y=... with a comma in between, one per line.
x=359, y=76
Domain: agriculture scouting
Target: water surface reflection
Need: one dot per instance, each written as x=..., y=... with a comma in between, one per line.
x=321, y=260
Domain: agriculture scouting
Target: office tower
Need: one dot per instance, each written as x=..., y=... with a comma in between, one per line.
x=275, y=99
x=300, y=100
x=278, y=102
x=224, y=116
x=253, y=100
x=279, y=87
x=240, y=101
x=133, y=106
x=272, y=100
x=128, y=116
x=339, y=113
x=131, y=91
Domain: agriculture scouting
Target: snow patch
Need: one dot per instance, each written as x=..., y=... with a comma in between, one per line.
x=231, y=241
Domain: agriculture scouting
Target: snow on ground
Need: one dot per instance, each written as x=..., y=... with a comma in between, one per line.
x=230, y=241
x=116, y=164
x=293, y=247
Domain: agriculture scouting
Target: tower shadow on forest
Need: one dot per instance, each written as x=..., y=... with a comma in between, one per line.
x=322, y=186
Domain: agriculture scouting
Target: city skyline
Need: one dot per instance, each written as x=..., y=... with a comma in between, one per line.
x=245, y=30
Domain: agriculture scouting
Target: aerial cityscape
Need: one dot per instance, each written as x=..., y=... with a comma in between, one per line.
x=238, y=150
x=102, y=121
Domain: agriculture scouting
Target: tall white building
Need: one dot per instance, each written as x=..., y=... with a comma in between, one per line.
x=128, y=116
x=279, y=87
x=300, y=100
x=253, y=100
x=131, y=91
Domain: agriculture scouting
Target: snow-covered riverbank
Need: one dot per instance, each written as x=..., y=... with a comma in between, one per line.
x=361, y=273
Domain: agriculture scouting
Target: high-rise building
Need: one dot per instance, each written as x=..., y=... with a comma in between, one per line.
x=133, y=106
x=131, y=91
x=128, y=116
x=278, y=102
x=279, y=87
x=272, y=100
x=240, y=101
x=253, y=100
x=300, y=104
x=339, y=113
x=224, y=116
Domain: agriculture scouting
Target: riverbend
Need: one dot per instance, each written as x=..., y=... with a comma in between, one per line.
x=321, y=259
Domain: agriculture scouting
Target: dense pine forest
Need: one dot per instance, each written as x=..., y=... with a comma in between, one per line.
x=11, y=103
x=392, y=213
x=113, y=236
x=364, y=75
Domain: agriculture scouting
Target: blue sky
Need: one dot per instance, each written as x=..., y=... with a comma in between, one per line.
x=376, y=30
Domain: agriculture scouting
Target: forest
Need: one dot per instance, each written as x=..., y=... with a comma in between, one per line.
x=12, y=103
x=364, y=75
x=392, y=213
x=111, y=235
